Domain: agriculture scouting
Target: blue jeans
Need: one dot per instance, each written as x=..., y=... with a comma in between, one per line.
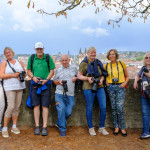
x=64, y=108
x=145, y=103
x=117, y=98
x=101, y=97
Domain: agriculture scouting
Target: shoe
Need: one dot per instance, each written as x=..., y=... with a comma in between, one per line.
x=1, y=129
x=57, y=126
x=44, y=132
x=5, y=134
x=15, y=130
x=145, y=135
x=103, y=131
x=92, y=131
x=37, y=131
x=124, y=134
x=62, y=133
x=115, y=133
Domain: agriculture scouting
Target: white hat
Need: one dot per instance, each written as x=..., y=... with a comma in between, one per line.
x=38, y=45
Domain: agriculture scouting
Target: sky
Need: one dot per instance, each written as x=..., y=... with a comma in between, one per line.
x=21, y=27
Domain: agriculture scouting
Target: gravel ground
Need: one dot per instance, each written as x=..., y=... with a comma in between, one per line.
x=77, y=138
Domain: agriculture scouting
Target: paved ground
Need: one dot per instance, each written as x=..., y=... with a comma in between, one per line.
x=77, y=138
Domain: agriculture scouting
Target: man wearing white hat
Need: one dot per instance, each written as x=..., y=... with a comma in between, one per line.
x=40, y=70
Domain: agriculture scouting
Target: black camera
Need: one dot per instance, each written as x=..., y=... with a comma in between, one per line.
x=95, y=82
x=22, y=75
x=64, y=82
x=39, y=82
x=147, y=91
x=114, y=80
x=145, y=70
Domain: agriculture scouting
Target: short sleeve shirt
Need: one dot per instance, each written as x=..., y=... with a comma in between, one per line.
x=115, y=72
x=83, y=69
x=40, y=66
x=66, y=74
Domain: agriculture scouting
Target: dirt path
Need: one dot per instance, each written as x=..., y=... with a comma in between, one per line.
x=77, y=138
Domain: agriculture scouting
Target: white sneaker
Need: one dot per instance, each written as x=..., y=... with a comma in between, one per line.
x=103, y=131
x=15, y=130
x=92, y=131
x=5, y=134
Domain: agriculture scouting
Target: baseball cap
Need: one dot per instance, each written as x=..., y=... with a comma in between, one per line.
x=38, y=45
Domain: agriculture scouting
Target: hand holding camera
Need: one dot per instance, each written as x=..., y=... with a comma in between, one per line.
x=64, y=82
x=95, y=83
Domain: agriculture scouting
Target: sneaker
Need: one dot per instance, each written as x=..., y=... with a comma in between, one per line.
x=92, y=131
x=37, y=131
x=5, y=134
x=1, y=129
x=44, y=132
x=15, y=130
x=62, y=133
x=145, y=136
x=103, y=131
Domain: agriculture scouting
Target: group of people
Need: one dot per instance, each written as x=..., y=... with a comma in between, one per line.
x=92, y=72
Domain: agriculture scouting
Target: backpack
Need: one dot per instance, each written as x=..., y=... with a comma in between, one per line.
x=32, y=59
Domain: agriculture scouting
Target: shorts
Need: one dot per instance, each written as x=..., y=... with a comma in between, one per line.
x=43, y=99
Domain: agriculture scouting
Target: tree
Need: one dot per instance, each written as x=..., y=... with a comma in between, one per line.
x=130, y=8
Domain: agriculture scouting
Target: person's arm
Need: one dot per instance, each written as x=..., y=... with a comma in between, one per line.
x=135, y=85
x=101, y=80
x=126, y=77
x=56, y=82
x=6, y=76
x=147, y=74
x=84, y=78
x=30, y=74
x=48, y=77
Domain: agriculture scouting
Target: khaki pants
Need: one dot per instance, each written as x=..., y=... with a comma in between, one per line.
x=13, y=102
x=2, y=103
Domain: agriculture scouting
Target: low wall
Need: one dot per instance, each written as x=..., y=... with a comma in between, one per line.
x=132, y=107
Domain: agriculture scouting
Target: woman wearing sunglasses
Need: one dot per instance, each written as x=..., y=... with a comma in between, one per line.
x=144, y=75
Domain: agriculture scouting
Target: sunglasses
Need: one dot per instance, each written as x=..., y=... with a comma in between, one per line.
x=147, y=57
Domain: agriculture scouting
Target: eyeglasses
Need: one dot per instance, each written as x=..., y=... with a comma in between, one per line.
x=147, y=57
x=39, y=49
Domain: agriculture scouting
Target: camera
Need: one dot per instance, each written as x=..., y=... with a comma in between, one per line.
x=147, y=91
x=114, y=80
x=22, y=75
x=39, y=82
x=64, y=82
x=145, y=70
x=95, y=82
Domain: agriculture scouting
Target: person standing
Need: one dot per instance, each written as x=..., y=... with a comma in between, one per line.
x=13, y=86
x=40, y=71
x=64, y=79
x=144, y=74
x=116, y=81
x=92, y=72
x=2, y=102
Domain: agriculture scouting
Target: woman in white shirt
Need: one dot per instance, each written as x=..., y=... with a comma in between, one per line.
x=10, y=71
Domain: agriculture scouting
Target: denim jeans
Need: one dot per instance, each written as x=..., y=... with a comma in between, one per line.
x=64, y=106
x=145, y=103
x=117, y=97
x=101, y=97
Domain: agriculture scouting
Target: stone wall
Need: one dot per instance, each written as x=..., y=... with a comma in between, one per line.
x=133, y=114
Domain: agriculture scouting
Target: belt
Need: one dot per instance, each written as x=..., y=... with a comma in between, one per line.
x=115, y=83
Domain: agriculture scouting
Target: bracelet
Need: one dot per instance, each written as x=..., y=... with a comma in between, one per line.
x=47, y=79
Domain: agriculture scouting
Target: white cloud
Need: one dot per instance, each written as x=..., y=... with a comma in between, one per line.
x=92, y=31
x=1, y=17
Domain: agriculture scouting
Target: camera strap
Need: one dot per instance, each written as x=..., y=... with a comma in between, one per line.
x=112, y=70
x=11, y=67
